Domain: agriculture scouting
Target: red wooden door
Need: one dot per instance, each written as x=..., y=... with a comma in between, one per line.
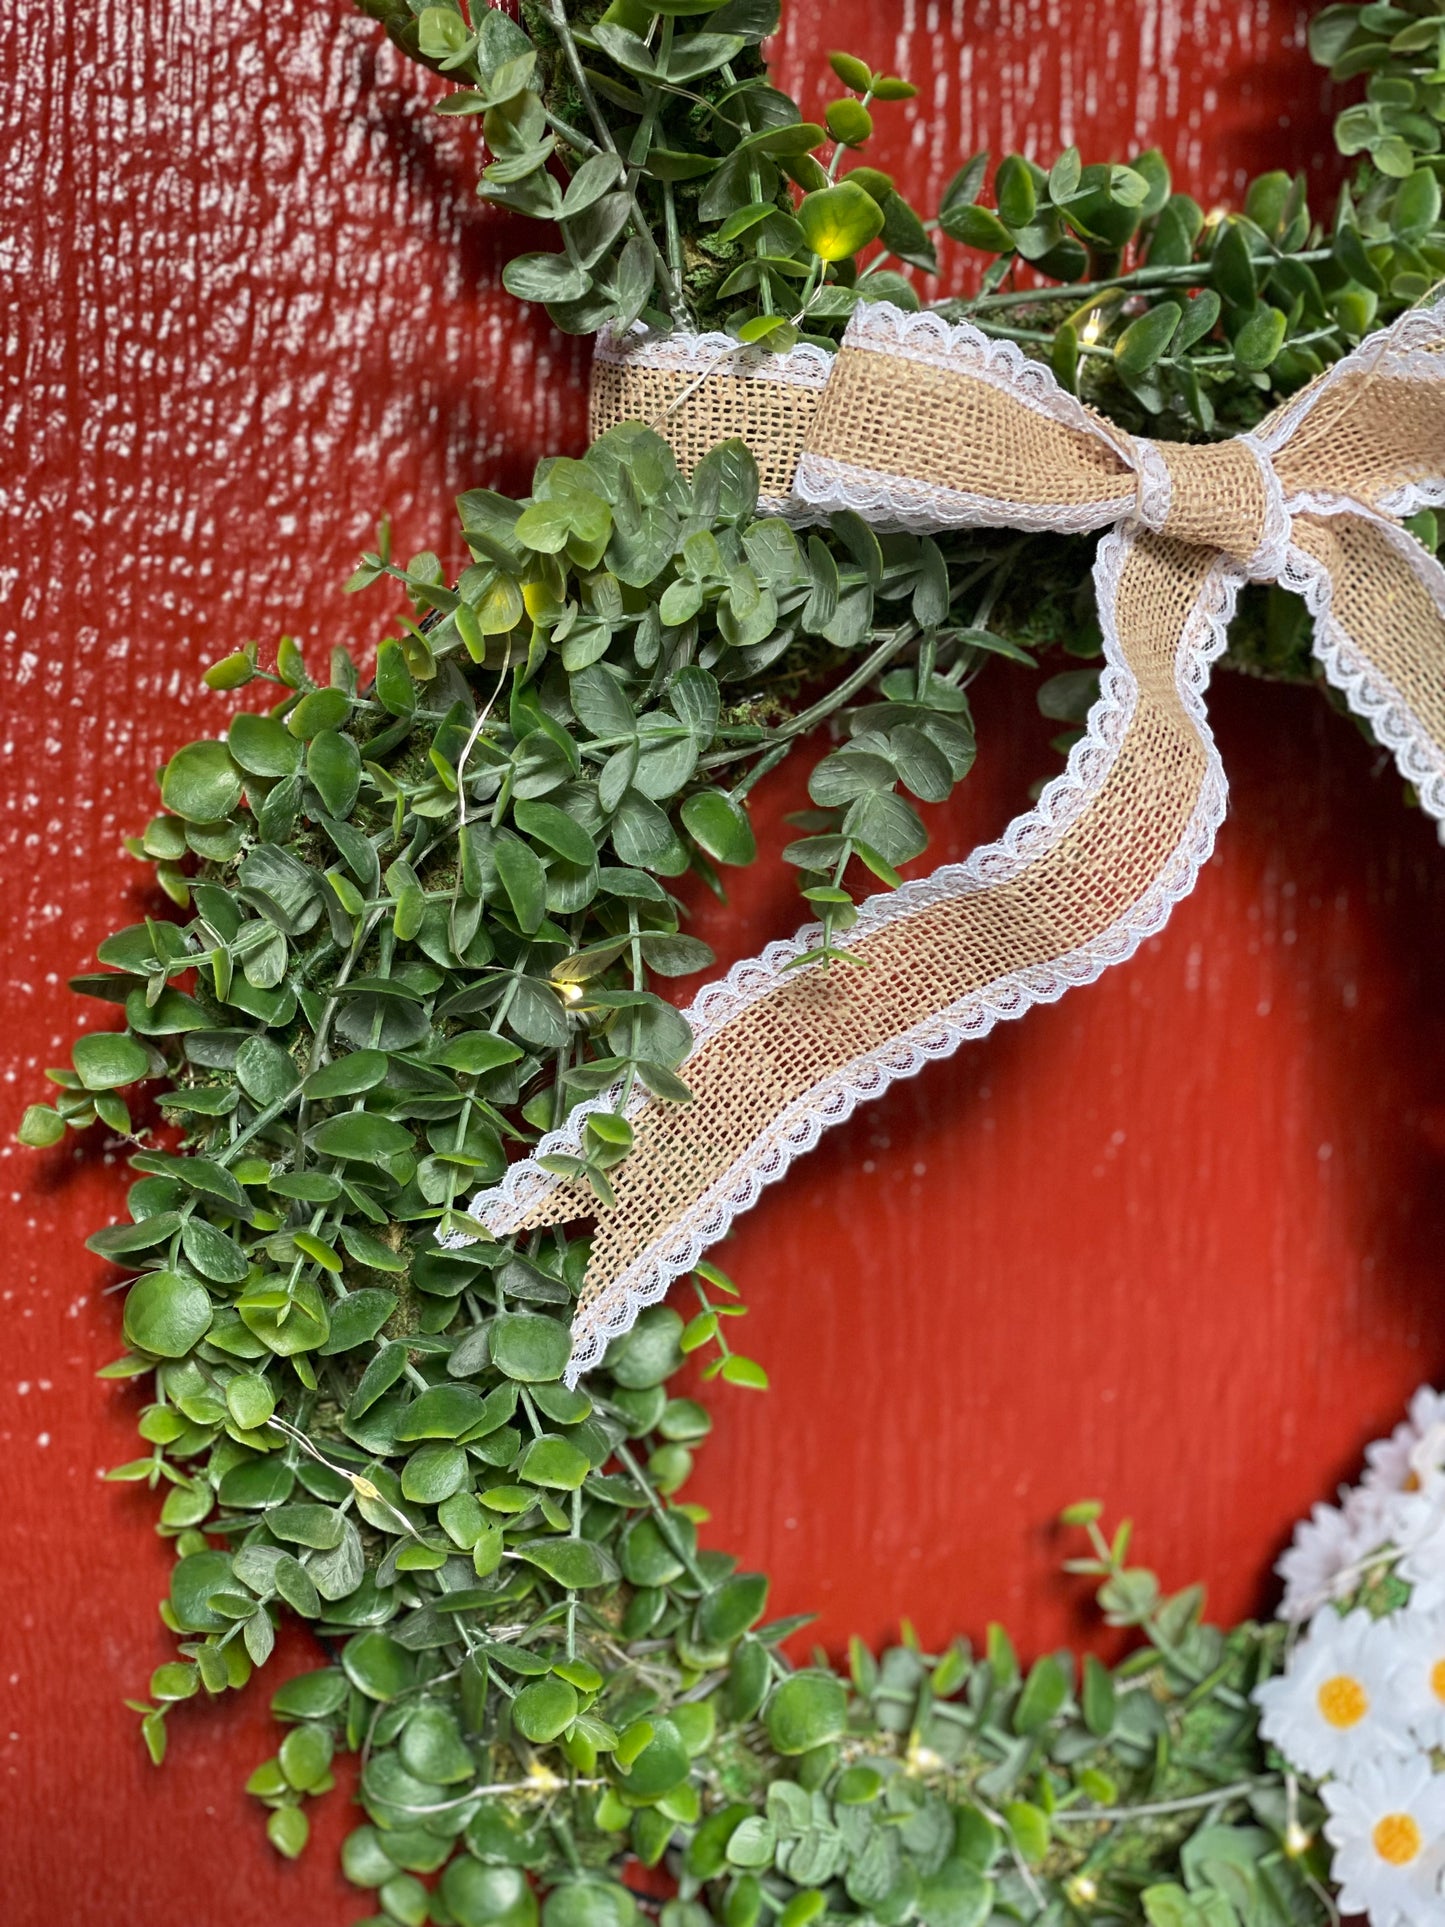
x=1173, y=1241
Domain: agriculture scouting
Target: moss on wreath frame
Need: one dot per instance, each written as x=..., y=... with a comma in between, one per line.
x=418, y=914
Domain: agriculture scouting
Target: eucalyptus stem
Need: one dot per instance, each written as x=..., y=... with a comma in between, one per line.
x=819, y=712
x=641, y=226
x=1188, y=274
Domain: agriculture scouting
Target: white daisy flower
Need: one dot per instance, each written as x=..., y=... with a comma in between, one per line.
x=1333, y=1709
x=1324, y=1559
x=1313, y=1569
x=1387, y=1827
x=1419, y=1531
x=1391, y=1465
x=1419, y=1677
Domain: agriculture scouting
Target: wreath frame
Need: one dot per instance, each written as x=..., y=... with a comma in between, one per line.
x=949, y=1788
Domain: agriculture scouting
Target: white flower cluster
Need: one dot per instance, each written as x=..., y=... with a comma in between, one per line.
x=1361, y=1703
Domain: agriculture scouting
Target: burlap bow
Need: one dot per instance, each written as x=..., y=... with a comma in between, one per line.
x=921, y=425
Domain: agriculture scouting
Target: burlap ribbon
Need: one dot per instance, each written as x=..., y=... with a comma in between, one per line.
x=921, y=425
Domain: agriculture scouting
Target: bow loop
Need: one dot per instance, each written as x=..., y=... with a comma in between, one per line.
x=1216, y=495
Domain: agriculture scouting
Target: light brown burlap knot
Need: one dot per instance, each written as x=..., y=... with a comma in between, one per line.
x=917, y=424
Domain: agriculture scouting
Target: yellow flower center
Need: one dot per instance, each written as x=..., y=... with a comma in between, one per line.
x=1397, y=1838
x=1437, y=1679
x=1343, y=1701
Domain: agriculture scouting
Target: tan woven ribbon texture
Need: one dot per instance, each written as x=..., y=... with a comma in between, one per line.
x=921, y=425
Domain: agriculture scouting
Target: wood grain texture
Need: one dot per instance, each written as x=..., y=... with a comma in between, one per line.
x=1173, y=1241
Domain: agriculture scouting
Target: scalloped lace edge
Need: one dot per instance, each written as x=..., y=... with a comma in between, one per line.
x=1365, y=688
x=805, y=366
x=890, y=501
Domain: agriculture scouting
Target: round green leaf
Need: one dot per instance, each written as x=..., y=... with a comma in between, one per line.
x=433, y=1473
x=1145, y=340
x=545, y=277
x=753, y=1843
x=263, y=746
x=364, y=1860
x=306, y=1756
x=478, y=1051
x=1260, y=339
x=956, y=1896
x=288, y=1830
x=360, y=1070
x=250, y=1401
x=40, y=1127
x=1029, y=1826
x=837, y=221
x=286, y=1324
x=174, y=1681
x=544, y=1709
x=589, y=1903
x=376, y=1665
x=193, y=1581
x=554, y=1462
x=661, y=1766
x=231, y=672
x=806, y=1711
x=852, y=72
x=442, y=1412
x=432, y=1749
x=317, y=710
x=848, y=121
x=201, y=783
x=310, y=1696
x=333, y=762
x=359, y=1135
x=166, y=1313
x=647, y=1558
x=108, y=1059
x=976, y=227
x=1016, y=193
x=737, y=1604
x=719, y=826
x=648, y=1353
x=481, y=1896
x=530, y=1348
x=573, y=1563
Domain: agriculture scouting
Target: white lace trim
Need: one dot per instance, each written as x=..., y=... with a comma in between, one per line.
x=1273, y=547
x=1155, y=495
x=899, y=502
x=805, y=366
x=1366, y=689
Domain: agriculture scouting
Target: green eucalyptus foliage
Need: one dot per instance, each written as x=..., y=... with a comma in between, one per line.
x=419, y=916
x=652, y=137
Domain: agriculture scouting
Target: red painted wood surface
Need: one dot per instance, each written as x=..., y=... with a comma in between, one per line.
x=1173, y=1241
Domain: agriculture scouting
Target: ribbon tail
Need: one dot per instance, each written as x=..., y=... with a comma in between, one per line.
x=1378, y=600
x=1073, y=886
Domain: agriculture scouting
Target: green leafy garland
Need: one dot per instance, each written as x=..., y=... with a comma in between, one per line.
x=420, y=917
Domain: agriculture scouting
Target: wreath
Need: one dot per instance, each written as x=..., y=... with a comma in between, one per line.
x=419, y=915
